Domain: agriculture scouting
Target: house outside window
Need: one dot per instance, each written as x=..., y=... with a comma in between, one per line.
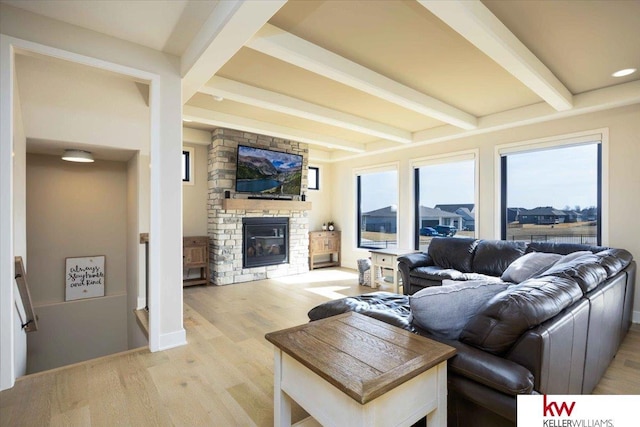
x=552, y=192
x=445, y=197
x=377, y=207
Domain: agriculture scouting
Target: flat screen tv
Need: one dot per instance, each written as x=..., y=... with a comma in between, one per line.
x=268, y=172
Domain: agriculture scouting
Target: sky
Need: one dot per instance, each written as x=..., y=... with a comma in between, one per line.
x=560, y=177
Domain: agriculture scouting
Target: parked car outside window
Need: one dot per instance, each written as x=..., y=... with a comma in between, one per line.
x=428, y=231
x=446, y=230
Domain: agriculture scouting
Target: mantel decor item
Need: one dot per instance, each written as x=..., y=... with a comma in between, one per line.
x=331, y=226
x=324, y=227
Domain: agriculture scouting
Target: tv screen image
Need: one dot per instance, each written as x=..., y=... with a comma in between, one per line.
x=268, y=172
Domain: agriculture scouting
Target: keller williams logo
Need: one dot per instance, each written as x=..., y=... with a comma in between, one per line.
x=552, y=409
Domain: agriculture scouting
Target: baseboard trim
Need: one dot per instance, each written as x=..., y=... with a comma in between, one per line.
x=173, y=339
x=635, y=318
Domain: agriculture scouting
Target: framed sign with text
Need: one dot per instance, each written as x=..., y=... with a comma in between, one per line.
x=84, y=277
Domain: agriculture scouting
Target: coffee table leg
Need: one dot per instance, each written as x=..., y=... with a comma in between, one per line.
x=281, y=401
x=438, y=418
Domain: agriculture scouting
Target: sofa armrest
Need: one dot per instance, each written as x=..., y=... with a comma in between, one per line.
x=493, y=371
x=419, y=259
x=408, y=262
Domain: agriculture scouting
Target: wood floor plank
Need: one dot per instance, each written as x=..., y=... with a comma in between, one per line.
x=224, y=376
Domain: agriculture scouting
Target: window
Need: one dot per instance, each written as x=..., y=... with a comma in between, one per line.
x=314, y=178
x=187, y=165
x=553, y=193
x=445, y=194
x=377, y=195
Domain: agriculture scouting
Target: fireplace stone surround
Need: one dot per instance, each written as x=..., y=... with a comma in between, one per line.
x=225, y=225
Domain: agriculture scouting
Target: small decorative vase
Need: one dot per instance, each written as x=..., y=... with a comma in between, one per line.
x=324, y=227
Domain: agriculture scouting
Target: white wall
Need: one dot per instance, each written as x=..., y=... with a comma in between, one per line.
x=196, y=194
x=321, y=211
x=79, y=105
x=624, y=179
x=137, y=222
x=29, y=32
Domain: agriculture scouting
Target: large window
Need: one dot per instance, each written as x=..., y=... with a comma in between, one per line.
x=445, y=193
x=553, y=194
x=377, y=193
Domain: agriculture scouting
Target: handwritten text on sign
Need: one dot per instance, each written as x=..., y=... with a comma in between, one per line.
x=84, y=277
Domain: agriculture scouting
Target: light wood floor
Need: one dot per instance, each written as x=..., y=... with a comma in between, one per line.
x=223, y=377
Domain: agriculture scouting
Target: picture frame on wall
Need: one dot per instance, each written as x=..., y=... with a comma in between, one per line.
x=84, y=277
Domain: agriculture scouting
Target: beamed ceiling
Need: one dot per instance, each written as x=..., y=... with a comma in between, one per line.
x=359, y=77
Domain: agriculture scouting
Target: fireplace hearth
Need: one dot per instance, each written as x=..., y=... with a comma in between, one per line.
x=265, y=241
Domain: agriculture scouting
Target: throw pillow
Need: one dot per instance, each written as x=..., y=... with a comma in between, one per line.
x=444, y=310
x=528, y=266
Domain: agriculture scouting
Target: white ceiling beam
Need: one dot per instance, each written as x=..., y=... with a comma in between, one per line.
x=230, y=121
x=475, y=22
x=280, y=44
x=251, y=95
x=230, y=25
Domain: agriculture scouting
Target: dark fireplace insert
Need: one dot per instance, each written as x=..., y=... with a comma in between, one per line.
x=265, y=241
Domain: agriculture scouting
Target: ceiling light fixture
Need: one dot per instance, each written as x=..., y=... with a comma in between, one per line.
x=79, y=156
x=187, y=120
x=217, y=98
x=625, y=72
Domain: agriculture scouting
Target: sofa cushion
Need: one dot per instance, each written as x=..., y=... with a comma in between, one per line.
x=444, y=310
x=436, y=273
x=492, y=257
x=453, y=252
x=528, y=266
x=585, y=270
x=510, y=313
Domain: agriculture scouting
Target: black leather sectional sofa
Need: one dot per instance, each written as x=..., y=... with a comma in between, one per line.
x=553, y=333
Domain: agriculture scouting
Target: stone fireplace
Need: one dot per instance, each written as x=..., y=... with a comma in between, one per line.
x=228, y=216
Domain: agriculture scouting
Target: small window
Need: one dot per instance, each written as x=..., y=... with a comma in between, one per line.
x=187, y=166
x=314, y=178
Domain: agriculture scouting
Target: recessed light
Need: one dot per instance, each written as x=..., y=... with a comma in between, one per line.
x=217, y=98
x=625, y=72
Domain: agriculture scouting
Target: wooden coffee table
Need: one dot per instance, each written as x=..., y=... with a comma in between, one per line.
x=352, y=370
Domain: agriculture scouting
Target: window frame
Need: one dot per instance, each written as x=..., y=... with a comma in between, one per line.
x=598, y=136
x=189, y=165
x=317, y=173
x=458, y=156
x=387, y=167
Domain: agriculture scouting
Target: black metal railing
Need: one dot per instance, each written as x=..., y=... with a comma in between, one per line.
x=585, y=239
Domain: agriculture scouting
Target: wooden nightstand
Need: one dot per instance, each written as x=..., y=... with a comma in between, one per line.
x=195, y=254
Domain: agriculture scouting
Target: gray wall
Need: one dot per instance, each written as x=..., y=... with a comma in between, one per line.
x=75, y=210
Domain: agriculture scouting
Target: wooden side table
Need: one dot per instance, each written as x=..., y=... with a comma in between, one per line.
x=352, y=370
x=386, y=259
x=324, y=243
x=195, y=254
